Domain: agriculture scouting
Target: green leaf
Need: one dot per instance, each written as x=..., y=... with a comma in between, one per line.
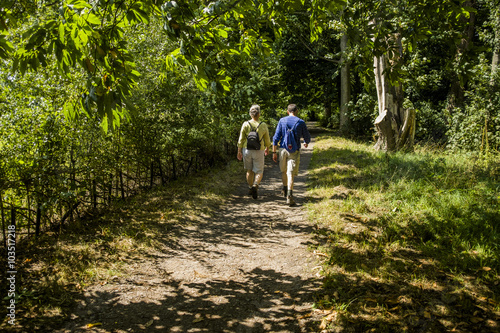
x=222, y=33
x=93, y=19
x=62, y=33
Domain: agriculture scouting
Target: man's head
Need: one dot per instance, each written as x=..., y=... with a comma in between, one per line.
x=254, y=111
x=292, y=108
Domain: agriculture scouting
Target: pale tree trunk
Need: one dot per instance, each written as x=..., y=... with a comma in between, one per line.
x=345, y=87
x=494, y=63
x=495, y=17
x=496, y=43
x=395, y=126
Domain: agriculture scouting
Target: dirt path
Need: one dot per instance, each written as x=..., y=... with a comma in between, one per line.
x=246, y=269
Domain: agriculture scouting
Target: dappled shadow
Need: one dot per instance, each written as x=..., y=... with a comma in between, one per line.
x=416, y=295
x=239, y=267
x=250, y=304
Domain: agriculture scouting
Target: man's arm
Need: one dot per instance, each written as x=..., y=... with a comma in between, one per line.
x=276, y=139
x=277, y=134
x=305, y=134
x=241, y=142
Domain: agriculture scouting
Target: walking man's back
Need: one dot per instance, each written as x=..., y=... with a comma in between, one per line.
x=288, y=133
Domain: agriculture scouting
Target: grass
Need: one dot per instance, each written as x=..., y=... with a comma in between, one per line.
x=53, y=271
x=412, y=239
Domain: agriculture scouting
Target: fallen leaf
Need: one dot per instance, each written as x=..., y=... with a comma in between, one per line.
x=331, y=317
x=149, y=323
x=476, y=320
x=320, y=254
x=486, y=269
x=93, y=325
x=427, y=315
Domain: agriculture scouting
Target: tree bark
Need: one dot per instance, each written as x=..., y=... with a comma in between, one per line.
x=496, y=44
x=2, y=213
x=395, y=126
x=494, y=63
x=38, y=219
x=345, y=87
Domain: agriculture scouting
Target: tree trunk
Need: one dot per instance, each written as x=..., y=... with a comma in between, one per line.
x=494, y=63
x=496, y=44
x=328, y=111
x=94, y=194
x=2, y=213
x=122, y=190
x=345, y=87
x=395, y=126
x=38, y=219
x=13, y=216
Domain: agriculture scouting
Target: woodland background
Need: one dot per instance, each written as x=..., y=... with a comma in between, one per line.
x=100, y=99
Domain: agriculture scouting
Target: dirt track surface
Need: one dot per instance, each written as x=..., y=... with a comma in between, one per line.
x=246, y=269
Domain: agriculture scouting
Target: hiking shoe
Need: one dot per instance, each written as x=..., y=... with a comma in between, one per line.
x=284, y=191
x=254, y=192
x=289, y=201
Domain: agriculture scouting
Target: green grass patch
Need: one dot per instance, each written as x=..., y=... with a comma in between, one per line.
x=412, y=239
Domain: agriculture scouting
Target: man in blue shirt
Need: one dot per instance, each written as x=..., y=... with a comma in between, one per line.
x=289, y=161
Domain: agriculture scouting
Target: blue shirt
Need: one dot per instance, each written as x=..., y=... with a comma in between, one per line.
x=300, y=130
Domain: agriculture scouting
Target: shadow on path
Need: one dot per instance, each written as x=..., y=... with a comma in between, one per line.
x=246, y=269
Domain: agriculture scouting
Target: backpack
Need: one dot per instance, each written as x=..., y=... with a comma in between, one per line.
x=253, y=142
x=289, y=141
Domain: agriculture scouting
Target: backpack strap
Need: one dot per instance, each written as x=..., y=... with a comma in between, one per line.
x=252, y=126
x=286, y=125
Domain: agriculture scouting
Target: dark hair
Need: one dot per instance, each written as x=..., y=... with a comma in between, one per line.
x=292, y=108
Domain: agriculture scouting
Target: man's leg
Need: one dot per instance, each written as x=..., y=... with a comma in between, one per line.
x=284, y=180
x=289, y=194
x=291, y=172
x=283, y=161
x=248, y=165
x=258, y=170
x=258, y=178
x=250, y=178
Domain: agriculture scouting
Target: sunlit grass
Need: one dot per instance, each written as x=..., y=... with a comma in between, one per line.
x=405, y=223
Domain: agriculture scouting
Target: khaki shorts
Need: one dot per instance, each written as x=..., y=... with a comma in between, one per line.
x=253, y=160
x=289, y=162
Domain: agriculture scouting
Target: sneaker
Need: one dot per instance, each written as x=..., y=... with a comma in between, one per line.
x=284, y=191
x=289, y=201
x=254, y=192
